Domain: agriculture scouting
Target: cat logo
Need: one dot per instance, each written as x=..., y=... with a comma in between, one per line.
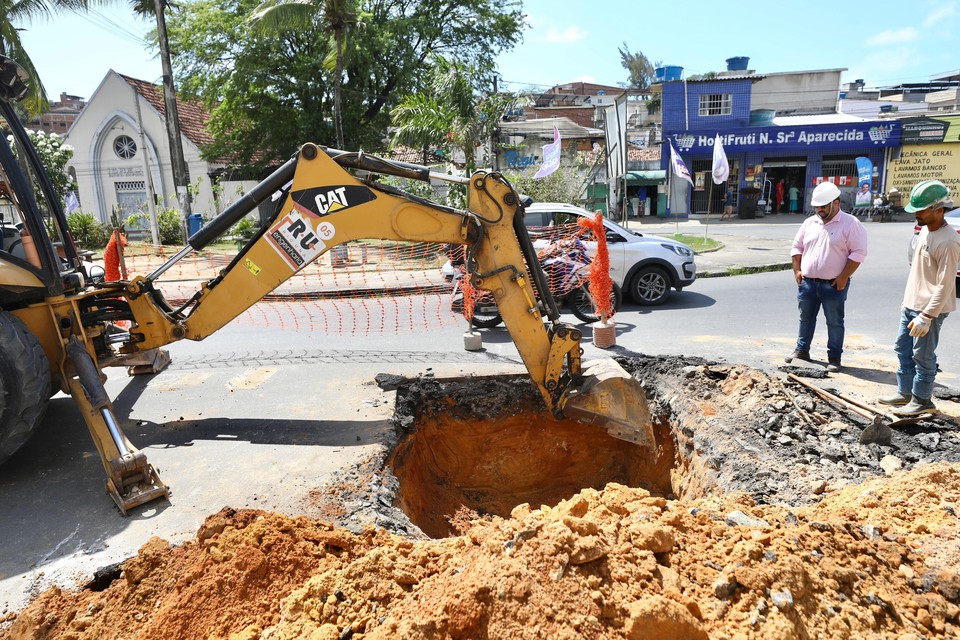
x=322, y=201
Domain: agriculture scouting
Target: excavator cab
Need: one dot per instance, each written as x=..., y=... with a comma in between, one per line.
x=38, y=256
x=25, y=375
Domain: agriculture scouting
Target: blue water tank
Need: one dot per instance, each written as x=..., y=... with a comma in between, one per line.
x=738, y=63
x=762, y=117
x=194, y=223
x=671, y=73
x=658, y=74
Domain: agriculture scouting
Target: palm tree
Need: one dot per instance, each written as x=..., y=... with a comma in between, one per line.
x=450, y=112
x=17, y=12
x=336, y=16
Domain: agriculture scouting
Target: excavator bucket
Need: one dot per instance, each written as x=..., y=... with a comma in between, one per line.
x=611, y=398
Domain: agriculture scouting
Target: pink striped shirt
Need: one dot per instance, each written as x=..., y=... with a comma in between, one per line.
x=825, y=248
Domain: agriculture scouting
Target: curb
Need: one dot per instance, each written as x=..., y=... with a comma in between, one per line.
x=739, y=270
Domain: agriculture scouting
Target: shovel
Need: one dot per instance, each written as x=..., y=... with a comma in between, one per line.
x=878, y=432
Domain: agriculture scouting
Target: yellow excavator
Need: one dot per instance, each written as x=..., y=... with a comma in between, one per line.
x=59, y=322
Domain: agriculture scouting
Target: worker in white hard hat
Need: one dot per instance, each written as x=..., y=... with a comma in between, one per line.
x=826, y=251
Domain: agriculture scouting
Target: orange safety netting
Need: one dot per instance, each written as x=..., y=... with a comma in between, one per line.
x=364, y=287
x=111, y=256
x=600, y=282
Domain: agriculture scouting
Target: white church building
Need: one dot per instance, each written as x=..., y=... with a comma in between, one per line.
x=121, y=148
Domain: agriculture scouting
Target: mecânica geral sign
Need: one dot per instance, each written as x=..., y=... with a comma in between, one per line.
x=930, y=152
x=920, y=162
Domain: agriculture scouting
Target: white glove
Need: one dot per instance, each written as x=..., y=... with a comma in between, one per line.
x=919, y=326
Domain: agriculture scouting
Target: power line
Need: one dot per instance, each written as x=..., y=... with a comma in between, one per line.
x=112, y=26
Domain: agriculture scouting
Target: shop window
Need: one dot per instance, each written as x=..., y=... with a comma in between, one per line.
x=839, y=167
x=716, y=104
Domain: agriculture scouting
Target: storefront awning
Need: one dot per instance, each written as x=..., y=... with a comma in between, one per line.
x=656, y=176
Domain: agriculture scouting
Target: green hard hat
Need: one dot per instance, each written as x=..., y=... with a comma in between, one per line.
x=929, y=193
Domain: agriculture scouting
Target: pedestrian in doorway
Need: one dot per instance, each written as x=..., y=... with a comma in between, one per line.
x=727, y=205
x=794, y=194
x=779, y=194
x=827, y=249
x=930, y=295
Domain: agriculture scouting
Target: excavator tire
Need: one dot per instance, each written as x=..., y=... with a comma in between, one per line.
x=24, y=384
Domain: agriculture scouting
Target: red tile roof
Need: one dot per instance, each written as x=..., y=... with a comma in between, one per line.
x=193, y=116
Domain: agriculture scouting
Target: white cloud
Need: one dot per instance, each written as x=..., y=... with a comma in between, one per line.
x=940, y=13
x=885, y=67
x=565, y=36
x=893, y=36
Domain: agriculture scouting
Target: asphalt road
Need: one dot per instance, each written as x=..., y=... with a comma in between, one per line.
x=265, y=411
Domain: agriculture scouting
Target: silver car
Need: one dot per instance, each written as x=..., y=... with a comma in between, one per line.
x=646, y=267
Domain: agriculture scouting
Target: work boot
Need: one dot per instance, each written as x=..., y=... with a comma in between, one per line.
x=915, y=407
x=833, y=365
x=896, y=399
x=798, y=355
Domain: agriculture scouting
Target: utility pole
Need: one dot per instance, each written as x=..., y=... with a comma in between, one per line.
x=181, y=176
x=495, y=136
x=148, y=177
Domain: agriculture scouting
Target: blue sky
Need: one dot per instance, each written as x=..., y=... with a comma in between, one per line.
x=572, y=40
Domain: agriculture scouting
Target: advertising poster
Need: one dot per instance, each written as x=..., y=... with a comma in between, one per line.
x=864, y=182
x=701, y=178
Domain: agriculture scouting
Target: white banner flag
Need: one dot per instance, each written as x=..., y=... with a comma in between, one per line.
x=551, y=156
x=721, y=168
x=72, y=202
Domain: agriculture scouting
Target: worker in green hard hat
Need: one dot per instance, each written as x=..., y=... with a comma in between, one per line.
x=930, y=295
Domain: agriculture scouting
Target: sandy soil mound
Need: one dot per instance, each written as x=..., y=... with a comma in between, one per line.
x=875, y=560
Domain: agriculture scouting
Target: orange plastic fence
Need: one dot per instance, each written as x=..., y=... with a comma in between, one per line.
x=364, y=287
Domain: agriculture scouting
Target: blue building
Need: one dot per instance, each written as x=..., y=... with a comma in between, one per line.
x=775, y=127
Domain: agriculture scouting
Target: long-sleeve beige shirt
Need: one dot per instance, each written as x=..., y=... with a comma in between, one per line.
x=931, y=287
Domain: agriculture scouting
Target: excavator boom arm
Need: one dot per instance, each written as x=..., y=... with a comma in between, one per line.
x=326, y=206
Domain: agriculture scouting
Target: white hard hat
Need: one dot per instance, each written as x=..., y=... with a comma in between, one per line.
x=824, y=194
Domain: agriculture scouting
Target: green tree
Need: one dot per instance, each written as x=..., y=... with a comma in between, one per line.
x=337, y=16
x=640, y=70
x=451, y=112
x=566, y=184
x=55, y=155
x=268, y=95
x=15, y=13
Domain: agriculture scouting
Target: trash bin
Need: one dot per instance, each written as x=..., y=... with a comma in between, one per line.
x=747, y=207
x=194, y=223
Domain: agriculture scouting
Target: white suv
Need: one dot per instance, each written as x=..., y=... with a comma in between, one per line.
x=645, y=267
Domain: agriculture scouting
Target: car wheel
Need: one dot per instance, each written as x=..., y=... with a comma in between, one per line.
x=486, y=315
x=482, y=320
x=581, y=302
x=650, y=286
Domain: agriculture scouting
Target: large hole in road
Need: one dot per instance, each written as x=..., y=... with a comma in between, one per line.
x=488, y=445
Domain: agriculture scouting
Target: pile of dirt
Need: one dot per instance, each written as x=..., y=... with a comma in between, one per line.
x=776, y=523
x=870, y=561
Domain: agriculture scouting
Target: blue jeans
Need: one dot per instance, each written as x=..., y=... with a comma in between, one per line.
x=918, y=360
x=811, y=296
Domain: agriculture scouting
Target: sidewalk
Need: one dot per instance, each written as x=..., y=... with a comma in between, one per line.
x=762, y=248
